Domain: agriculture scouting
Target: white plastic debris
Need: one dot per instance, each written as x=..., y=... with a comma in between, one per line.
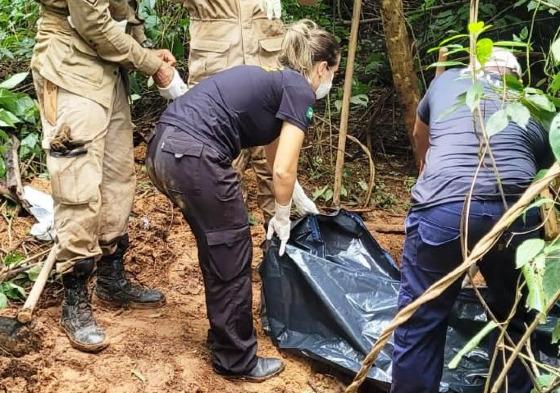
x=43, y=210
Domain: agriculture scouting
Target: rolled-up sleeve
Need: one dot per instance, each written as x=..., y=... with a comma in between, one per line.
x=94, y=24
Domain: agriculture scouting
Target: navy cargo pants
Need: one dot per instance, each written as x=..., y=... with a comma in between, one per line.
x=203, y=184
x=432, y=249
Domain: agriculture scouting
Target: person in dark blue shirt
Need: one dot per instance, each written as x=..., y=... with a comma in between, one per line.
x=189, y=159
x=448, y=148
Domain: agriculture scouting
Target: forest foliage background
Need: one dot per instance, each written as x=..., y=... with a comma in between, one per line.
x=376, y=116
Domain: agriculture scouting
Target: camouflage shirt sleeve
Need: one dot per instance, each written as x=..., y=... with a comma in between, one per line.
x=93, y=22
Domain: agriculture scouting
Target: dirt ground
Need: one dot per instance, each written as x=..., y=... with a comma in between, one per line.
x=157, y=350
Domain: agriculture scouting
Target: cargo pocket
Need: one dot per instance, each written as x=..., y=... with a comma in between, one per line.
x=83, y=63
x=438, y=247
x=269, y=50
x=74, y=180
x=229, y=251
x=183, y=172
x=207, y=57
x=227, y=185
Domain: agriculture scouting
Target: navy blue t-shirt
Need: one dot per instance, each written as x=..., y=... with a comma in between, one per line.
x=454, y=148
x=243, y=107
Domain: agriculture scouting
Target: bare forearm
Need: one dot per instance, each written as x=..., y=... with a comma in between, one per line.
x=421, y=137
x=283, y=154
x=282, y=180
x=283, y=186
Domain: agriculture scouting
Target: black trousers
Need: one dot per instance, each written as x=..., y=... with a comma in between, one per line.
x=432, y=249
x=203, y=184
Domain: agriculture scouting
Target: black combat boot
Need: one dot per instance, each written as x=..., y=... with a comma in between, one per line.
x=114, y=289
x=77, y=317
x=265, y=368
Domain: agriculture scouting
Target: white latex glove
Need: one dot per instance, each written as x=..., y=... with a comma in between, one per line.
x=175, y=89
x=273, y=8
x=122, y=25
x=303, y=204
x=280, y=225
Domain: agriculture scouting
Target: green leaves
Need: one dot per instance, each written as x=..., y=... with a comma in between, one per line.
x=12, y=290
x=527, y=251
x=474, y=95
x=515, y=111
x=472, y=344
x=544, y=381
x=446, y=64
x=554, y=86
x=8, y=119
x=12, y=258
x=556, y=334
x=17, y=103
x=555, y=51
x=554, y=136
x=551, y=279
x=541, y=101
x=540, y=174
x=533, y=277
x=33, y=273
x=3, y=300
x=497, y=122
x=476, y=27
x=519, y=114
x=511, y=44
x=19, y=113
x=484, y=49
x=29, y=145
x=326, y=194
x=14, y=80
x=540, y=264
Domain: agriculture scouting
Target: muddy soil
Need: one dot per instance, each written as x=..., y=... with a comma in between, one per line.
x=158, y=350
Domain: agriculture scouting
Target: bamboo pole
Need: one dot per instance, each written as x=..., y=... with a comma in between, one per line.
x=345, y=114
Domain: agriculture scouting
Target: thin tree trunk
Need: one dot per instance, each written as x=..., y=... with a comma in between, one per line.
x=345, y=112
x=402, y=62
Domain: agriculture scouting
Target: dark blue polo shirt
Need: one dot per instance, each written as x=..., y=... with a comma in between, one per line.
x=243, y=107
x=454, y=148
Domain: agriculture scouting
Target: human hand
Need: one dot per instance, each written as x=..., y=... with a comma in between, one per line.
x=164, y=75
x=303, y=204
x=280, y=225
x=166, y=56
x=272, y=8
x=175, y=89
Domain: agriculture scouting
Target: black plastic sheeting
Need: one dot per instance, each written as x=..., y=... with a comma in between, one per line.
x=334, y=291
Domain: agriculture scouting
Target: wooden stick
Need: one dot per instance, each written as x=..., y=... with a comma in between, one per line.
x=371, y=181
x=13, y=175
x=4, y=191
x=25, y=315
x=386, y=228
x=12, y=271
x=548, y=212
x=345, y=114
x=443, y=53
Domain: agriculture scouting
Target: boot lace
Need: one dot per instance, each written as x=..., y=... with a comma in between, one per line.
x=85, y=312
